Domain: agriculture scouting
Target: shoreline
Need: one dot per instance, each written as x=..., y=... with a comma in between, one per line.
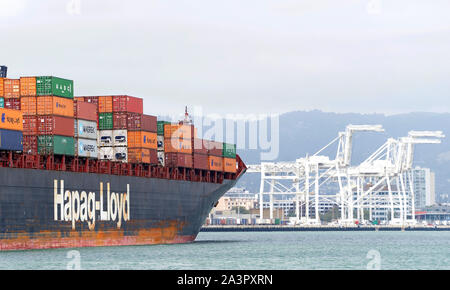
x=290, y=228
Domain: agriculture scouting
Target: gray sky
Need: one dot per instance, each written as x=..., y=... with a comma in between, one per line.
x=247, y=56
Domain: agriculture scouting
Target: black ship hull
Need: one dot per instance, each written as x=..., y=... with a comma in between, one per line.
x=42, y=209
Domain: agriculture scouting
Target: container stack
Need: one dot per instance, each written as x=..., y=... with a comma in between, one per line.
x=160, y=139
x=105, y=141
x=142, y=138
x=117, y=116
x=229, y=158
x=11, y=94
x=85, y=129
x=2, y=92
x=200, y=154
x=11, y=127
x=178, y=143
x=215, y=155
x=55, y=116
x=28, y=104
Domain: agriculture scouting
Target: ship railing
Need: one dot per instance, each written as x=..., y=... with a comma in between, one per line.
x=86, y=165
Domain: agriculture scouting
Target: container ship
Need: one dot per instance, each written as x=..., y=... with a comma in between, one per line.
x=94, y=171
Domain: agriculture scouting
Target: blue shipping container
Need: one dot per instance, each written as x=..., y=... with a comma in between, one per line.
x=11, y=140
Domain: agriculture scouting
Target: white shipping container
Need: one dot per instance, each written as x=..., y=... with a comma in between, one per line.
x=161, y=158
x=120, y=154
x=86, y=148
x=85, y=129
x=105, y=138
x=160, y=143
x=120, y=138
x=106, y=153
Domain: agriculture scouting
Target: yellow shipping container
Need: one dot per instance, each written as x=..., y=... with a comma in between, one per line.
x=27, y=86
x=142, y=139
x=50, y=105
x=11, y=120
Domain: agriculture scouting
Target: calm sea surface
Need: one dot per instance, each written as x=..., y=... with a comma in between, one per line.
x=256, y=250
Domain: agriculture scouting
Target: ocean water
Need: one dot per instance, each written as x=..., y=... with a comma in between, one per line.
x=255, y=251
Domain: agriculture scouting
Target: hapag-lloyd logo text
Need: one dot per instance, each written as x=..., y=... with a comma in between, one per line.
x=75, y=206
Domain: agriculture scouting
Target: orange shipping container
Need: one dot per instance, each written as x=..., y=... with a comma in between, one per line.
x=28, y=86
x=2, y=92
x=178, y=131
x=139, y=155
x=176, y=145
x=11, y=88
x=11, y=120
x=142, y=139
x=215, y=163
x=229, y=165
x=105, y=104
x=28, y=106
x=50, y=105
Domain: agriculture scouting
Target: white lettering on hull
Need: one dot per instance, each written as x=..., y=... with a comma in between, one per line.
x=73, y=206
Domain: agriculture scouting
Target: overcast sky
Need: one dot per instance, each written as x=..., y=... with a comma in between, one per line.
x=246, y=56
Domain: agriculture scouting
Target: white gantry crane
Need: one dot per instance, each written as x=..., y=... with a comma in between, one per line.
x=383, y=180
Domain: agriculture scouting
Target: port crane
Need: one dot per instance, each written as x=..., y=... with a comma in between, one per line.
x=382, y=180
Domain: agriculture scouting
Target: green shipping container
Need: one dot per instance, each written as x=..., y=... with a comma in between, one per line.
x=161, y=127
x=105, y=121
x=2, y=102
x=53, y=86
x=229, y=150
x=58, y=145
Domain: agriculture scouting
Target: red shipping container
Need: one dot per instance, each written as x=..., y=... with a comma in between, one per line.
x=30, y=125
x=128, y=104
x=142, y=122
x=30, y=145
x=12, y=104
x=85, y=111
x=178, y=160
x=200, y=146
x=56, y=125
x=120, y=121
x=92, y=99
x=153, y=156
x=201, y=161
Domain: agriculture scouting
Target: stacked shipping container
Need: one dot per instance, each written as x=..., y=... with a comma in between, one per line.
x=142, y=138
x=107, y=127
x=11, y=127
x=160, y=140
x=48, y=117
x=178, y=144
x=85, y=129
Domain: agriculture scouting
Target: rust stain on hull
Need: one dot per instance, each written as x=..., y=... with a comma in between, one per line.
x=167, y=234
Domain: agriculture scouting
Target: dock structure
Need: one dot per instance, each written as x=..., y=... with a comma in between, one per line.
x=312, y=228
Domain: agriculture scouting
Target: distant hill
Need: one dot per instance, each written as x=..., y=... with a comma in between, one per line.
x=303, y=133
